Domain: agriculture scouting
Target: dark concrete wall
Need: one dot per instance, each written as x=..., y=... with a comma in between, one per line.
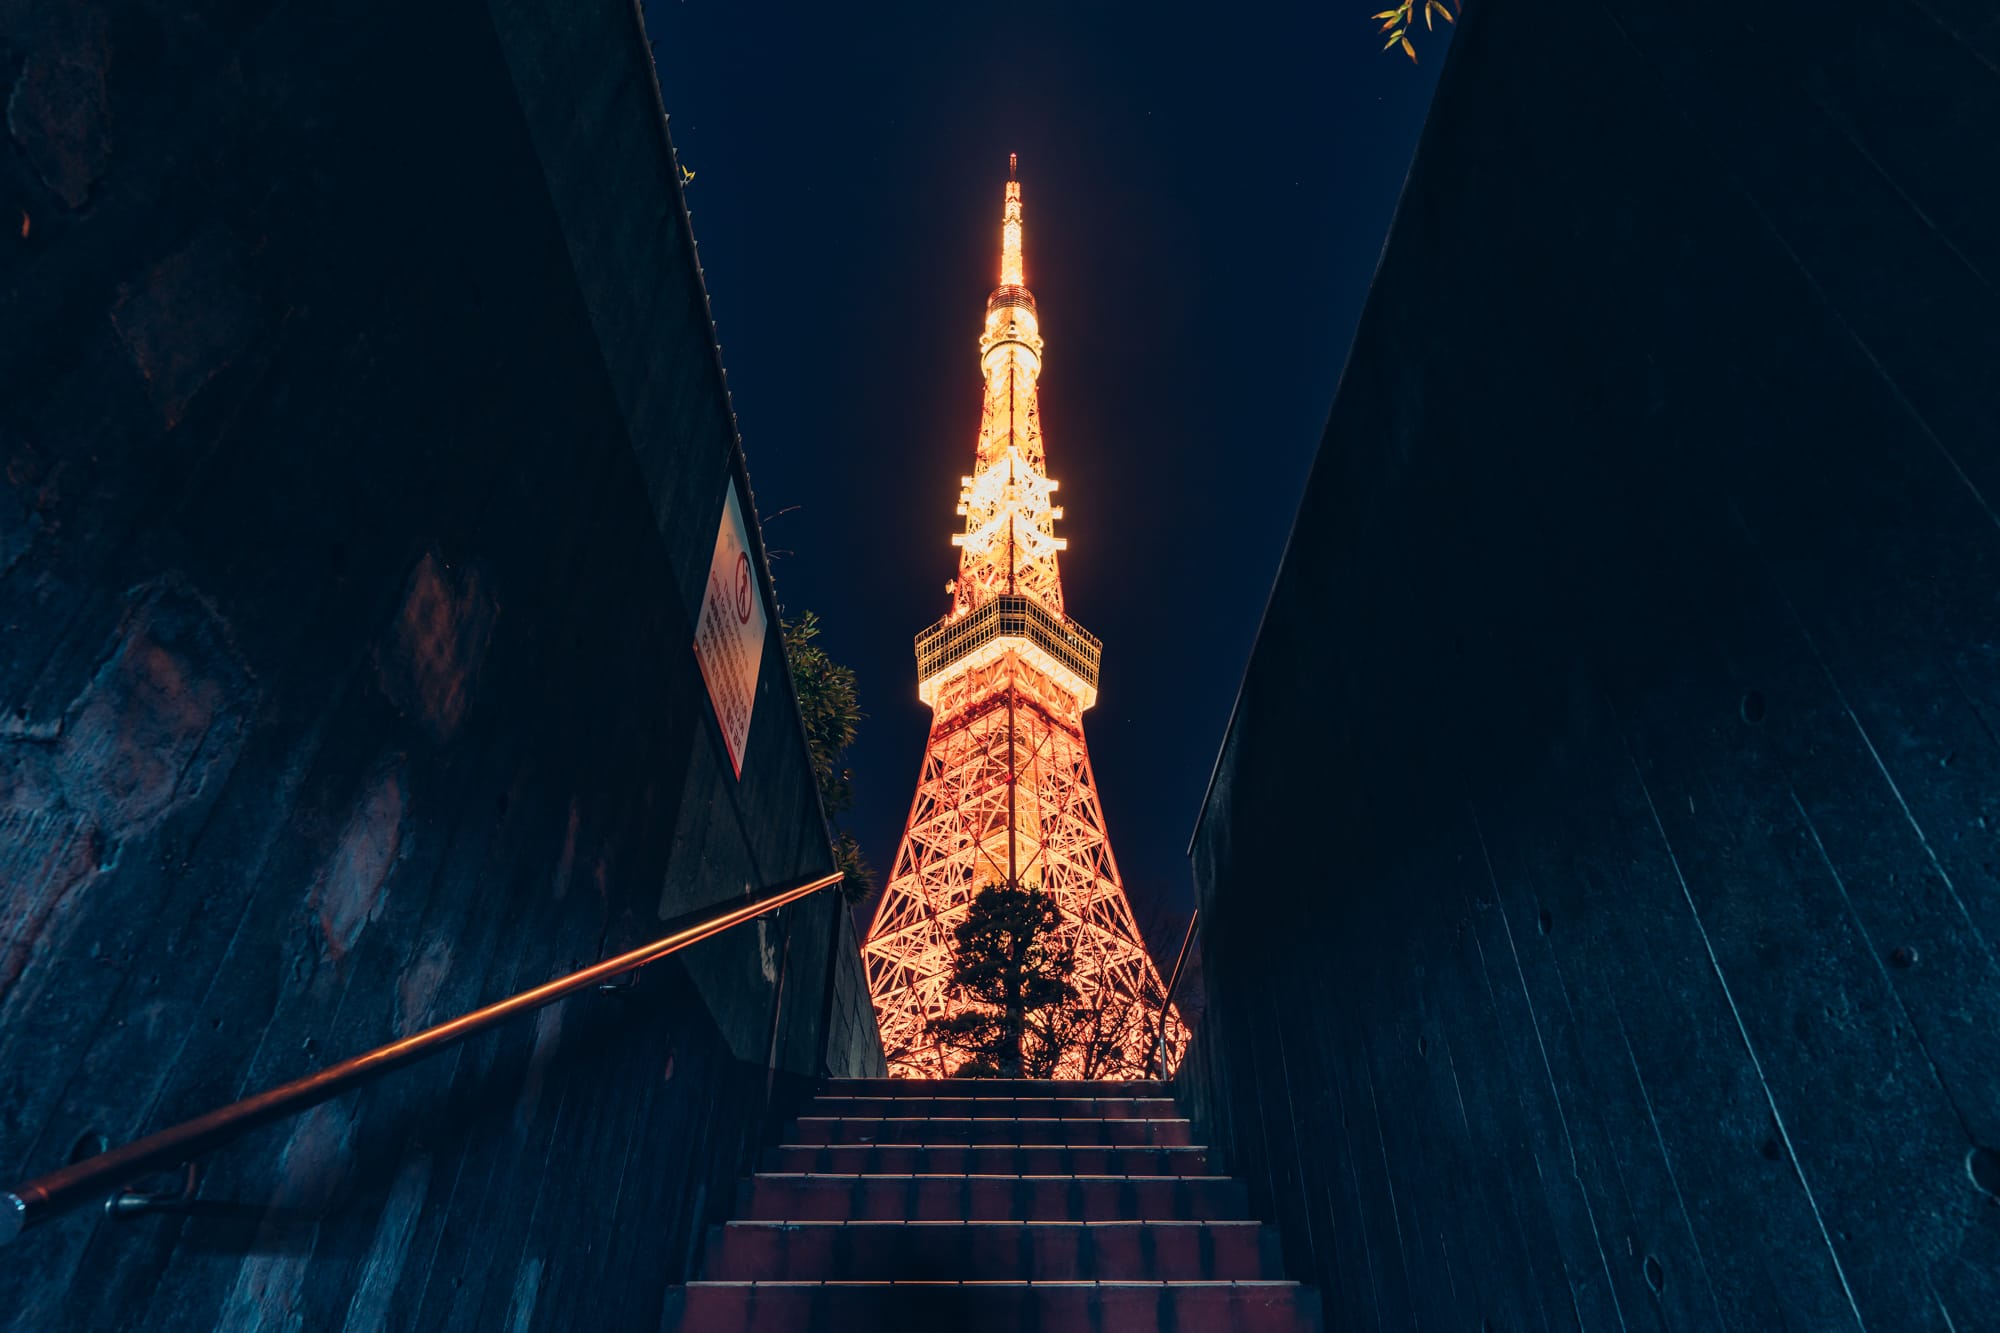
x=362, y=446
x=1600, y=875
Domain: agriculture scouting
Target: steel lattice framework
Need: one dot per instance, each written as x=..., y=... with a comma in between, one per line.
x=1006, y=794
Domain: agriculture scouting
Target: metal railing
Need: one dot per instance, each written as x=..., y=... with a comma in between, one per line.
x=179, y=1147
x=1173, y=984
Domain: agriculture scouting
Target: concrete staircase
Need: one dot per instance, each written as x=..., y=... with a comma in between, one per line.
x=965, y=1206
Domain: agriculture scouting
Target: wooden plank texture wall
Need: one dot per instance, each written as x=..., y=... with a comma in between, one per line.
x=1600, y=877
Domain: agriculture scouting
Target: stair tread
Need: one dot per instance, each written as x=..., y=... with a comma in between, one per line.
x=995, y=1281
x=997, y=1099
x=995, y=1222
x=968, y=1175
x=1007, y=1147
x=1023, y=1119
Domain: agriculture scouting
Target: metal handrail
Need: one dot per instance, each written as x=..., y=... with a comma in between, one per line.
x=1173, y=984
x=179, y=1146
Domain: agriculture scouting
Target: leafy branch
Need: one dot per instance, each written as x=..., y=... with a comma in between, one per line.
x=829, y=703
x=1397, y=23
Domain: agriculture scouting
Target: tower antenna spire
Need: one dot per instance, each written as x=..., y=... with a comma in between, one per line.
x=1010, y=234
x=1013, y=160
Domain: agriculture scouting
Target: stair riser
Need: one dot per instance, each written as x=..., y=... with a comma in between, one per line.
x=960, y=1253
x=958, y=1160
x=984, y=1199
x=1285, y=1309
x=1039, y=1133
x=998, y=1108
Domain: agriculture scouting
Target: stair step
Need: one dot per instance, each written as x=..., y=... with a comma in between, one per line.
x=998, y=1108
x=986, y=1159
x=991, y=1307
x=773, y=1196
x=995, y=1087
x=1033, y=1131
x=972, y=1205
x=986, y=1251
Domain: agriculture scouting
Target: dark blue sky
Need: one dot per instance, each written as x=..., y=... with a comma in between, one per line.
x=1206, y=192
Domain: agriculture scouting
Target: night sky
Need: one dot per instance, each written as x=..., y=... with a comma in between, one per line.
x=1206, y=191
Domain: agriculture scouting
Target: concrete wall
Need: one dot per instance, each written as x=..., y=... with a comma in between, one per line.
x=362, y=447
x=1600, y=872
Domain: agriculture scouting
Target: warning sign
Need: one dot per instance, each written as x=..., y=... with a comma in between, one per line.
x=729, y=637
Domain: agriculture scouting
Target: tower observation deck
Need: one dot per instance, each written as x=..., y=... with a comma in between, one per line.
x=1006, y=795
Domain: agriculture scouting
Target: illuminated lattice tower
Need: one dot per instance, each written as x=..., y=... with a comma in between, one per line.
x=1006, y=794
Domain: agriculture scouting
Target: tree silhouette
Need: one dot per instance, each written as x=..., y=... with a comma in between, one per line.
x=1109, y=1034
x=1011, y=968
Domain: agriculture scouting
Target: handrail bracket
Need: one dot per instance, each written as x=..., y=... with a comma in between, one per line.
x=130, y=1203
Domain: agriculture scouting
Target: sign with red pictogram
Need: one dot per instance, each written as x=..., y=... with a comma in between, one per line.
x=729, y=637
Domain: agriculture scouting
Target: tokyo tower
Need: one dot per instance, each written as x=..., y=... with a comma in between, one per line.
x=1006, y=795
